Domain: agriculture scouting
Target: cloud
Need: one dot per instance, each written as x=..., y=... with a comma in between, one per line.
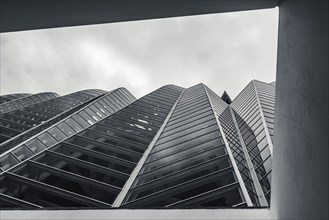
x=225, y=51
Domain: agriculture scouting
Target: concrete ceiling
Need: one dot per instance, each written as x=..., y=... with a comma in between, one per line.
x=19, y=15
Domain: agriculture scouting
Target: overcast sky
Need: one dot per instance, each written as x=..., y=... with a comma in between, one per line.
x=225, y=51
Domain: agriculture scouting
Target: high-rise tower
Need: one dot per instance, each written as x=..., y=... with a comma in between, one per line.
x=173, y=148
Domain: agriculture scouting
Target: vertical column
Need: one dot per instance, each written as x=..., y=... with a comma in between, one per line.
x=300, y=168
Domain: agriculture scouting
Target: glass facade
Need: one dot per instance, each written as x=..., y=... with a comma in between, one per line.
x=232, y=136
x=254, y=112
x=172, y=148
x=72, y=124
x=12, y=97
x=24, y=101
x=89, y=168
x=188, y=166
x=21, y=122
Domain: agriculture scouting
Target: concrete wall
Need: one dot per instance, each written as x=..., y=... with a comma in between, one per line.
x=300, y=167
x=115, y=214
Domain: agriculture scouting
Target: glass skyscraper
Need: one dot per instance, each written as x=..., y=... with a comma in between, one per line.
x=172, y=148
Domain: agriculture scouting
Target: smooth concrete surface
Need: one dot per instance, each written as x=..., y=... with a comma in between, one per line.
x=18, y=15
x=300, y=165
x=197, y=214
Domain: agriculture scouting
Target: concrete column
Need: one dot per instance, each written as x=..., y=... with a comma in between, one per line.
x=300, y=165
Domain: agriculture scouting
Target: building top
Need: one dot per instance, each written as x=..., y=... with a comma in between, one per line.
x=226, y=98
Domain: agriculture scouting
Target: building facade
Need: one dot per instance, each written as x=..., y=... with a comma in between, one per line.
x=172, y=148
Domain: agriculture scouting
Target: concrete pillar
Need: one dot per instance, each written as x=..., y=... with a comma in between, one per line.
x=300, y=165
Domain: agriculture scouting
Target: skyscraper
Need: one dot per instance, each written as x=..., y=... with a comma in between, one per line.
x=173, y=148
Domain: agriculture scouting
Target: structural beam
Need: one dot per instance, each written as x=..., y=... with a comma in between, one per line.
x=19, y=15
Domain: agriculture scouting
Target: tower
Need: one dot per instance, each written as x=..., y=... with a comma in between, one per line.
x=172, y=148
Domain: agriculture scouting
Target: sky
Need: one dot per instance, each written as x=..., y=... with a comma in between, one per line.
x=224, y=51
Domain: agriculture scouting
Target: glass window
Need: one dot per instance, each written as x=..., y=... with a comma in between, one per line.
x=86, y=117
x=145, y=114
x=197, y=139
x=186, y=131
x=269, y=120
x=117, y=99
x=114, y=141
x=108, y=105
x=190, y=117
x=159, y=99
x=189, y=111
x=8, y=161
x=36, y=145
x=260, y=136
x=258, y=129
x=131, y=128
x=129, y=122
x=80, y=120
x=3, y=109
x=125, y=135
x=270, y=125
x=74, y=125
x=23, y=152
x=189, y=136
x=10, y=106
x=65, y=129
x=159, y=169
x=102, y=109
x=23, y=102
x=136, y=106
x=183, y=106
x=265, y=153
x=161, y=105
x=97, y=111
x=262, y=143
x=204, y=152
x=92, y=114
x=17, y=105
x=192, y=188
x=140, y=119
x=42, y=97
x=57, y=134
x=167, y=132
x=268, y=164
x=30, y=100
x=47, y=139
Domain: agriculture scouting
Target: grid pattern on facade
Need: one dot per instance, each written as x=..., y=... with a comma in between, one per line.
x=247, y=112
x=266, y=94
x=95, y=111
x=26, y=101
x=19, y=125
x=89, y=168
x=233, y=139
x=11, y=97
x=189, y=165
x=173, y=148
